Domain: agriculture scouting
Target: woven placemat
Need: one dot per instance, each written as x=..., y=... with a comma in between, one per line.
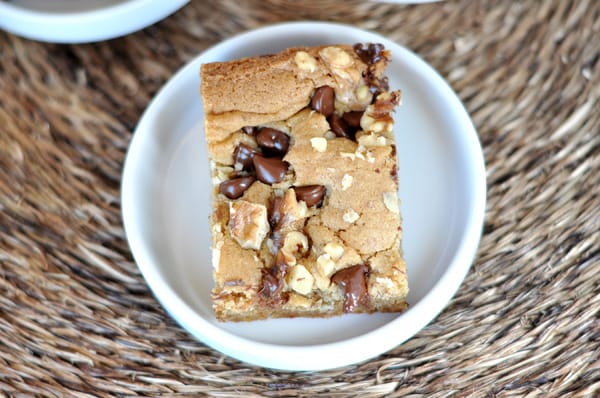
x=77, y=319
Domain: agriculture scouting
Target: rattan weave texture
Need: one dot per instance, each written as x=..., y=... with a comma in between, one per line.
x=77, y=319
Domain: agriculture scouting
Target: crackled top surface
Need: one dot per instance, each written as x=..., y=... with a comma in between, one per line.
x=77, y=315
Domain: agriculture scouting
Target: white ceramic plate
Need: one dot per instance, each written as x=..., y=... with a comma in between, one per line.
x=81, y=21
x=166, y=204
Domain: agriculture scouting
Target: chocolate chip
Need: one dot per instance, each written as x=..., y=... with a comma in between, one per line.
x=353, y=280
x=273, y=142
x=234, y=188
x=244, y=154
x=339, y=127
x=352, y=119
x=311, y=194
x=323, y=100
x=269, y=170
x=272, y=280
x=370, y=54
x=248, y=130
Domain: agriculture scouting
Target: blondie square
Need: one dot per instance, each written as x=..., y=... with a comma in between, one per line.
x=306, y=218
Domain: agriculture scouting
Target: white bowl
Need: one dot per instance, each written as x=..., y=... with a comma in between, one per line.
x=71, y=21
x=166, y=204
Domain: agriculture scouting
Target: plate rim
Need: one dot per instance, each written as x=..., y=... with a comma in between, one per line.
x=102, y=23
x=252, y=351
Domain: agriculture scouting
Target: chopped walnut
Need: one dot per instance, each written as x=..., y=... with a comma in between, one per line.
x=294, y=242
x=300, y=280
x=248, y=223
x=334, y=250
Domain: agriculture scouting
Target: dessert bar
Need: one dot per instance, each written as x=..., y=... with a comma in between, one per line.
x=306, y=218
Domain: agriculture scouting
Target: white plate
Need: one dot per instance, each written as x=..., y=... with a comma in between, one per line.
x=166, y=204
x=72, y=21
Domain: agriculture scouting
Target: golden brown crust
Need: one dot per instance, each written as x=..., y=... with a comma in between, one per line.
x=259, y=90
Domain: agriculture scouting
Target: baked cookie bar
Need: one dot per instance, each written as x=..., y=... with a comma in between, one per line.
x=306, y=218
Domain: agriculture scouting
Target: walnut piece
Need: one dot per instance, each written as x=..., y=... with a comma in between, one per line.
x=336, y=57
x=334, y=250
x=295, y=242
x=249, y=223
x=292, y=211
x=300, y=280
x=325, y=267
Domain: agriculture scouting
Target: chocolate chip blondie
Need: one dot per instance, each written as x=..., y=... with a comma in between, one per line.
x=306, y=218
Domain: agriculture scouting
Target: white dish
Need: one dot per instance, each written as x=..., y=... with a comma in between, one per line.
x=69, y=21
x=166, y=204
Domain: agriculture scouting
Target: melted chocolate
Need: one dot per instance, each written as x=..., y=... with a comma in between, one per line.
x=269, y=170
x=340, y=128
x=323, y=100
x=371, y=53
x=352, y=118
x=273, y=142
x=311, y=194
x=275, y=216
x=272, y=281
x=236, y=187
x=353, y=281
x=244, y=154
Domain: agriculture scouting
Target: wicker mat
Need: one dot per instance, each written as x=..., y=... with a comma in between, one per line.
x=77, y=318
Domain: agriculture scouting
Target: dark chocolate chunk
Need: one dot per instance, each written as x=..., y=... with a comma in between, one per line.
x=269, y=170
x=339, y=127
x=353, y=280
x=371, y=53
x=352, y=119
x=244, y=154
x=236, y=187
x=273, y=142
x=323, y=100
x=311, y=194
